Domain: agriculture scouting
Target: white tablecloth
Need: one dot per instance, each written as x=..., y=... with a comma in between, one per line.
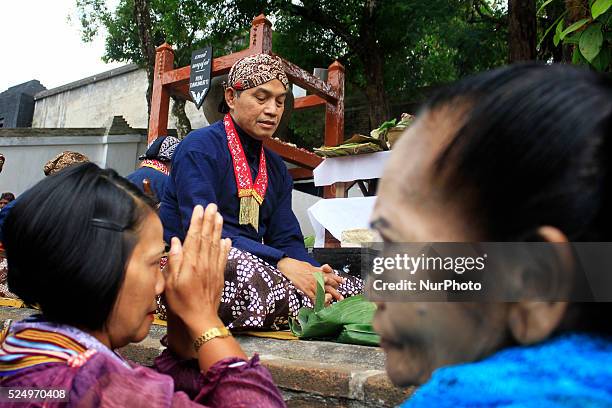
x=339, y=214
x=349, y=168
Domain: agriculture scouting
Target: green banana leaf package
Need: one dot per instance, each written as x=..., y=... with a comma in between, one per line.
x=348, y=321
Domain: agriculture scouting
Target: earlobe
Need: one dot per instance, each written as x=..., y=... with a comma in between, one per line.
x=531, y=322
x=229, y=97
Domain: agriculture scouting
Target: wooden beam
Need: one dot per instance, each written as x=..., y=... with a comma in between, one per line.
x=330, y=241
x=160, y=99
x=260, y=38
x=334, y=113
x=334, y=117
x=294, y=155
x=260, y=42
x=178, y=79
x=309, y=101
x=310, y=82
x=300, y=174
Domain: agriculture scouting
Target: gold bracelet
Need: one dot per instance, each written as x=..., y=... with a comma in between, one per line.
x=209, y=335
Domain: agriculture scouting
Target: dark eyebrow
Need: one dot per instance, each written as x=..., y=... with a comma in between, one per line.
x=380, y=223
x=384, y=228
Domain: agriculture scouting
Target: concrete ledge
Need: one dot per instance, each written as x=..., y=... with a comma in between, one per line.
x=87, y=81
x=308, y=373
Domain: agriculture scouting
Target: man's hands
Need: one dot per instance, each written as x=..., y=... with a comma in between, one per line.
x=195, y=273
x=301, y=275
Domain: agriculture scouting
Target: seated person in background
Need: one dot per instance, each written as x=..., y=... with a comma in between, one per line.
x=521, y=153
x=6, y=198
x=270, y=274
x=63, y=160
x=155, y=166
x=85, y=246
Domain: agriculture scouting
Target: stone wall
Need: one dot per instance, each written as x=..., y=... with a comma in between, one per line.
x=89, y=102
x=27, y=150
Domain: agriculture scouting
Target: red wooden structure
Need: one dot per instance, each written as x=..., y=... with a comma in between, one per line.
x=175, y=82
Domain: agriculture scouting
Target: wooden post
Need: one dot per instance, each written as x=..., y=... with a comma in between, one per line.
x=334, y=119
x=160, y=100
x=261, y=35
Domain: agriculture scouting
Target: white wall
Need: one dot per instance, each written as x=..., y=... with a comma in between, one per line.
x=26, y=156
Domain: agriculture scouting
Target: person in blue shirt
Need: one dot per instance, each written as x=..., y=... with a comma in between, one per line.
x=155, y=166
x=226, y=163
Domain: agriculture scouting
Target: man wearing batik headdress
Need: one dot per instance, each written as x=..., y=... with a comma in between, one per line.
x=152, y=175
x=270, y=275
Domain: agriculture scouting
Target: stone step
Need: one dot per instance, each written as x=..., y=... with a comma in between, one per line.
x=308, y=373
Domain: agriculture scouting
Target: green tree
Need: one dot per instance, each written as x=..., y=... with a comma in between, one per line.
x=390, y=48
x=136, y=27
x=581, y=31
x=387, y=46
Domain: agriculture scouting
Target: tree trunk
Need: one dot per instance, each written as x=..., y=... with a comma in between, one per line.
x=374, y=64
x=522, y=30
x=142, y=17
x=378, y=104
x=183, y=124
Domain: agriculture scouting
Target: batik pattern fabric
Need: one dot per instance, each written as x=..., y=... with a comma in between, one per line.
x=254, y=70
x=256, y=295
x=4, y=289
x=161, y=149
x=63, y=160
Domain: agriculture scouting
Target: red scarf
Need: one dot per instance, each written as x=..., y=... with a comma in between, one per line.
x=157, y=165
x=242, y=171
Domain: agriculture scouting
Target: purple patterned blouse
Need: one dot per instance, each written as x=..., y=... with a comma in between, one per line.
x=107, y=380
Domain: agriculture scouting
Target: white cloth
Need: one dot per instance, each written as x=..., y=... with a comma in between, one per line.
x=349, y=168
x=339, y=214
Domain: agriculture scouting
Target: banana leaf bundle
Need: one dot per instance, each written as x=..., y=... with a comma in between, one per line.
x=357, y=144
x=347, y=321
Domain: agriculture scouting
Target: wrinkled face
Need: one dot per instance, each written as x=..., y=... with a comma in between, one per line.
x=258, y=110
x=419, y=337
x=134, y=309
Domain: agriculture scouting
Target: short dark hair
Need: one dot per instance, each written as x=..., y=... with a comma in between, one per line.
x=534, y=148
x=7, y=196
x=68, y=240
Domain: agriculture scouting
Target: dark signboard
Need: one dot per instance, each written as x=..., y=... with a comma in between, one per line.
x=199, y=80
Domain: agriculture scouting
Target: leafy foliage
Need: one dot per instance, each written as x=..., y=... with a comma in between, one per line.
x=590, y=37
x=414, y=43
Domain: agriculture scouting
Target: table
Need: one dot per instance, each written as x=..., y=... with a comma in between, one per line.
x=332, y=216
x=346, y=171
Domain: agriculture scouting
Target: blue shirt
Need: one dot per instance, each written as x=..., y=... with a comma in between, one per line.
x=203, y=172
x=156, y=178
x=3, y=214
